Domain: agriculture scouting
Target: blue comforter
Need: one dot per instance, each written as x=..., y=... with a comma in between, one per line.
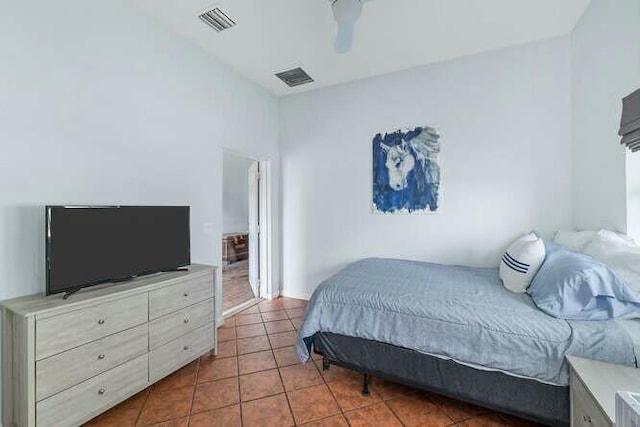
x=458, y=313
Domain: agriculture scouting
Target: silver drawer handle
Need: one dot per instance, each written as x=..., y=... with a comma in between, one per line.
x=186, y=320
x=101, y=391
x=186, y=347
x=100, y=356
x=101, y=322
x=186, y=294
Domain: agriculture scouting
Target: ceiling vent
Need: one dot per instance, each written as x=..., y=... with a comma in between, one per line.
x=294, y=77
x=217, y=19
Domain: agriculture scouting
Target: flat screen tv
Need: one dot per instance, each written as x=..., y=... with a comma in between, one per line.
x=88, y=245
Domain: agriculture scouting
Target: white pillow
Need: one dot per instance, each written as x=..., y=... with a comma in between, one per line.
x=575, y=240
x=521, y=262
x=608, y=242
x=620, y=253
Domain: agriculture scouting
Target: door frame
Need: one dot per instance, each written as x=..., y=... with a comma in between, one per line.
x=265, y=218
x=253, y=247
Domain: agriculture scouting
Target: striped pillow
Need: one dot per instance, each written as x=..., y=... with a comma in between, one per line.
x=521, y=262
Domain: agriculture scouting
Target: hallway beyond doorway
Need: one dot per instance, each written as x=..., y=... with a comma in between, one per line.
x=235, y=285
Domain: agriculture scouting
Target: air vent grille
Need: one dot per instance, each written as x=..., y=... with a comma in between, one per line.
x=294, y=77
x=217, y=19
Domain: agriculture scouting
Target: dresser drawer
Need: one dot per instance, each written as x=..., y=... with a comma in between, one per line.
x=59, y=333
x=86, y=400
x=585, y=412
x=180, y=322
x=59, y=372
x=172, y=298
x=174, y=354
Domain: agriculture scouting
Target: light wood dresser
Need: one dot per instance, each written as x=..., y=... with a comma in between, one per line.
x=593, y=386
x=66, y=361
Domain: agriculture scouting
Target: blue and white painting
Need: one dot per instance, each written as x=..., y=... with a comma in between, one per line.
x=406, y=171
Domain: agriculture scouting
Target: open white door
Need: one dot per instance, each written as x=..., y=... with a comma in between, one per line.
x=254, y=227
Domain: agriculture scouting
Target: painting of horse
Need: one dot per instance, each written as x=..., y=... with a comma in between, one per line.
x=406, y=171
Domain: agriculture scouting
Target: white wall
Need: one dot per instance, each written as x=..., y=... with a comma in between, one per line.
x=505, y=118
x=235, y=193
x=101, y=105
x=606, y=67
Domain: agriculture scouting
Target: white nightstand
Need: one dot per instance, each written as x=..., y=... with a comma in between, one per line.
x=593, y=390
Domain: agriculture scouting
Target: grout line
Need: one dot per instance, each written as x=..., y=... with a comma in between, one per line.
x=393, y=412
x=205, y=411
x=326, y=383
x=237, y=355
x=143, y=404
x=286, y=395
x=162, y=422
x=239, y=389
x=217, y=379
x=266, y=395
x=193, y=392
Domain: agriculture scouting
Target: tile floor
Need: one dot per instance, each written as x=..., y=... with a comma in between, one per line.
x=256, y=380
x=235, y=285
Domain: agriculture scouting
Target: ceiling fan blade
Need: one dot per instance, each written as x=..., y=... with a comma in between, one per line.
x=346, y=10
x=344, y=38
x=346, y=13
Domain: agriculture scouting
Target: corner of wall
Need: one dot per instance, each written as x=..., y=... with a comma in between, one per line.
x=606, y=40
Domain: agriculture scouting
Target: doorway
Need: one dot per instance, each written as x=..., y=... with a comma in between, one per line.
x=240, y=233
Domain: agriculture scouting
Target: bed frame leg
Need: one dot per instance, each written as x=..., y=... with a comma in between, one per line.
x=325, y=364
x=365, y=385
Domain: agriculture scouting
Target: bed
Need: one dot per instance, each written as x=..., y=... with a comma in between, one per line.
x=455, y=331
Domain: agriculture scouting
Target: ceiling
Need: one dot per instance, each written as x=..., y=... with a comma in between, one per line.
x=391, y=35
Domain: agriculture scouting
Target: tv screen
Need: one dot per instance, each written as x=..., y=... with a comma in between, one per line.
x=90, y=245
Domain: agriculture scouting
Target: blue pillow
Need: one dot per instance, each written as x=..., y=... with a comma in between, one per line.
x=570, y=285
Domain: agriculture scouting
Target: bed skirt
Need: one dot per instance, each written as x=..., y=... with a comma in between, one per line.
x=520, y=397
